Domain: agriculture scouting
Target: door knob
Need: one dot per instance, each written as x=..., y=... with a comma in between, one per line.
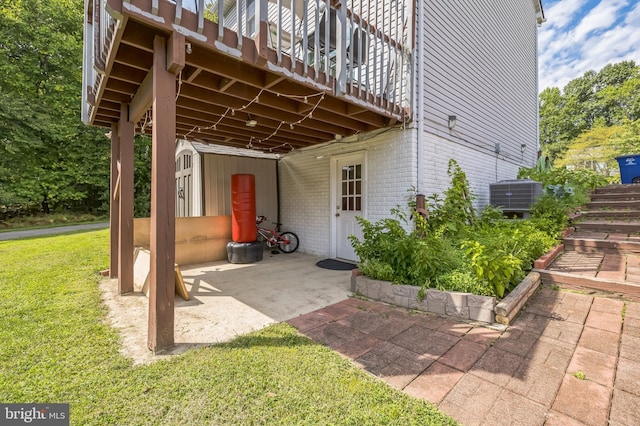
x=337, y=214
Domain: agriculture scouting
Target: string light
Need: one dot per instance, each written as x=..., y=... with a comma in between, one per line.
x=250, y=145
x=179, y=85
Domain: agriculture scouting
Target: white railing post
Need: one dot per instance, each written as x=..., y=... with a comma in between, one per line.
x=262, y=26
x=239, y=11
x=200, y=16
x=279, y=35
x=178, y=17
x=220, y=20
x=341, y=48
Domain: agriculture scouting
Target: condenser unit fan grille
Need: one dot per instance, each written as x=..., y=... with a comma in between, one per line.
x=514, y=195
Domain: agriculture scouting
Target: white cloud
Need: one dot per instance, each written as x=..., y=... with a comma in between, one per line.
x=603, y=36
x=602, y=16
x=560, y=14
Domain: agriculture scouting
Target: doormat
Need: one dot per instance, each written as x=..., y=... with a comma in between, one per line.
x=336, y=265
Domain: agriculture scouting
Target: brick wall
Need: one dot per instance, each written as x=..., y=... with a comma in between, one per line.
x=305, y=183
x=478, y=164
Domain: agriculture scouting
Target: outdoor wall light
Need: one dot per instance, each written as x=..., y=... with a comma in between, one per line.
x=452, y=122
x=188, y=48
x=523, y=148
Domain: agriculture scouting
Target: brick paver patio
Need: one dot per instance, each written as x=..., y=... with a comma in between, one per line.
x=568, y=359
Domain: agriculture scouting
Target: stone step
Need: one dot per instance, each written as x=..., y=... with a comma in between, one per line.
x=610, y=214
x=614, y=205
x=616, y=273
x=575, y=281
x=601, y=244
x=616, y=196
x=629, y=188
x=628, y=226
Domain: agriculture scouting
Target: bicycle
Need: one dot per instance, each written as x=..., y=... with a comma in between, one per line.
x=287, y=242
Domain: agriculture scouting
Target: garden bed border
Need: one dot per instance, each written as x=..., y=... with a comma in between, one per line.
x=465, y=306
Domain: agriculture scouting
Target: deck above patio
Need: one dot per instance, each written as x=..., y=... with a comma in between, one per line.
x=272, y=75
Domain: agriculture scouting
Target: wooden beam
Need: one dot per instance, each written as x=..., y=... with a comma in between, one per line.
x=125, y=238
x=143, y=98
x=162, y=280
x=190, y=74
x=175, y=53
x=114, y=210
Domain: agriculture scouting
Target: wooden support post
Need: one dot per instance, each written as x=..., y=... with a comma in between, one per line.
x=125, y=238
x=162, y=274
x=114, y=209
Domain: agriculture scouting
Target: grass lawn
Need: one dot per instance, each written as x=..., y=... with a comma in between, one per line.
x=55, y=347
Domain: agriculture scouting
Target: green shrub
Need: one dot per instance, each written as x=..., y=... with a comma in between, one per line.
x=388, y=252
x=551, y=214
x=574, y=186
x=455, y=213
x=463, y=280
x=453, y=249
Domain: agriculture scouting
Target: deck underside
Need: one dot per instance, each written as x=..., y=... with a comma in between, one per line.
x=226, y=94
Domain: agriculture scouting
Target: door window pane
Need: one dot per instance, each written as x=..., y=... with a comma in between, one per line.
x=351, y=187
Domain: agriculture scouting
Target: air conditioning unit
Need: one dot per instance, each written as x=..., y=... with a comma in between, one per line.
x=514, y=195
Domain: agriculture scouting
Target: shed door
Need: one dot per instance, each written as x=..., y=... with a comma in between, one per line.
x=184, y=184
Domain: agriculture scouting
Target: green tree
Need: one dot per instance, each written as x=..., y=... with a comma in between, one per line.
x=610, y=97
x=47, y=156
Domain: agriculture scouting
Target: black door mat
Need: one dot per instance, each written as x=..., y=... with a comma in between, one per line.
x=336, y=265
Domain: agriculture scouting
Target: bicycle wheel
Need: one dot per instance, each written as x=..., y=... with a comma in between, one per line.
x=293, y=242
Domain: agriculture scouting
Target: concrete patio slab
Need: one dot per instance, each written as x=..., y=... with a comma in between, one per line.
x=228, y=300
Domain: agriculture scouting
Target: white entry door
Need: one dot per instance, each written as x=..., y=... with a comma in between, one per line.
x=349, y=203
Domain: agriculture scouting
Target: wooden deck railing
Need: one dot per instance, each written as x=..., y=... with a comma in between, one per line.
x=361, y=49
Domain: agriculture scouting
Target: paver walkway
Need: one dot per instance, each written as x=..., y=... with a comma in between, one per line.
x=618, y=267
x=568, y=359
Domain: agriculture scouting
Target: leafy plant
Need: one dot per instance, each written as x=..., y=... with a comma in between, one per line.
x=580, y=375
x=388, y=252
x=464, y=280
x=454, y=213
x=495, y=265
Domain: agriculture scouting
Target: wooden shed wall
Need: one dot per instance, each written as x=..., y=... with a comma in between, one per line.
x=217, y=184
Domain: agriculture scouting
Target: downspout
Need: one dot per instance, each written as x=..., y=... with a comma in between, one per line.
x=419, y=94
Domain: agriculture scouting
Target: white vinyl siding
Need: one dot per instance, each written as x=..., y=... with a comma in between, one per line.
x=480, y=65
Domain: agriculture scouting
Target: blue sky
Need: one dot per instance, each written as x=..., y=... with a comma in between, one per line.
x=583, y=35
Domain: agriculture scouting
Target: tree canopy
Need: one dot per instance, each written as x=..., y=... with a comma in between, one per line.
x=594, y=118
x=48, y=157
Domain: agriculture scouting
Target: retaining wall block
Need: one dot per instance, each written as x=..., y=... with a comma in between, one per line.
x=457, y=311
x=421, y=305
x=480, y=314
x=482, y=302
x=365, y=287
x=436, y=307
x=413, y=296
x=402, y=290
x=386, y=292
x=402, y=301
x=434, y=295
x=373, y=289
x=456, y=299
